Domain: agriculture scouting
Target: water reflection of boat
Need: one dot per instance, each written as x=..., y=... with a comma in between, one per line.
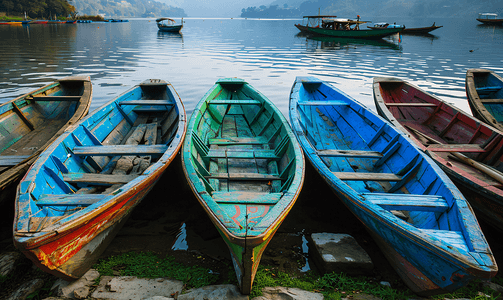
x=324, y=42
x=175, y=36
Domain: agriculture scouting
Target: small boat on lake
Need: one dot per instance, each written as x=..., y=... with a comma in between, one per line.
x=490, y=19
x=29, y=123
x=343, y=28
x=484, y=90
x=467, y=149
x=245, y=167
x=82, y=189
x=414, y=212
x=421, y=30
x=168, y=25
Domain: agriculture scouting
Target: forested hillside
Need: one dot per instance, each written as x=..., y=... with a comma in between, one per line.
x=36, y=8
x=371, y=8
x=127, y=8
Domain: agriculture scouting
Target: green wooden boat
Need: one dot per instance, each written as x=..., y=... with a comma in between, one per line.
x=245, y=167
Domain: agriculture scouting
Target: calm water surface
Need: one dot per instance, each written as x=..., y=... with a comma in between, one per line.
x=269, y=54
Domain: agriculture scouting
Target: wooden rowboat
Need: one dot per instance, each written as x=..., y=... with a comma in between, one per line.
x=484, y=90
x=468, y=150
x=168, y=25
x=246, y=168
x=29, y=123
x=420, y=220
x=81, y=190
x=421, y=30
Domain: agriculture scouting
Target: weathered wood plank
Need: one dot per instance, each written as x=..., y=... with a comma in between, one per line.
x=69, y=199
x=239, y=141
x=120, y=150
x=150, y=109
x=246, y=197
x=235, y=102
x=97, y=179
x=324, y=103
x=349, y=153
x=456, y=148
x=12, y=160
x=242, y=153
x=147, y=102
x=408, y=202
x=360, y=176
x=410, y=104
x=243, y=176
x=55, y=98
x=491, y=101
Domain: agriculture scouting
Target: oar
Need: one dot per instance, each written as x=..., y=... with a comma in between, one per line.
x=495, y=174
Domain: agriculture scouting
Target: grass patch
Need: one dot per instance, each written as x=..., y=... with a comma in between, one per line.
x=149, y=265
x=331, y=285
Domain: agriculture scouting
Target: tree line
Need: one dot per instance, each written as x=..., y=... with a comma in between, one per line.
x=37, y=8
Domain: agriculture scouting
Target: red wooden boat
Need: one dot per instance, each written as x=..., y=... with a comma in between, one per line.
x=468, y=150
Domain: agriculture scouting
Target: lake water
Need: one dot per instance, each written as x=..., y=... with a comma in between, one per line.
x=269, y=54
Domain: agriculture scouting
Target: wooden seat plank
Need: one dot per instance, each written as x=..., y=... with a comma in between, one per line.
x=324, y=102
x=55, y=98
x=235, y=102
x=456, y=148
x=243, y=153
x=147, y=102
x=246, y=197
x=120, y=150
x=243, y=176
x=150, y=109
x=69, y=199
x=423, y=104
x=239, y=141
x=98, y=179
x=408, y=202
x=489, y=101
x=12, y=160
x=360, y=176
x=349, y=153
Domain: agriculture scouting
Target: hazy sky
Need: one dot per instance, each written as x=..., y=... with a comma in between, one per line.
x=215, y=8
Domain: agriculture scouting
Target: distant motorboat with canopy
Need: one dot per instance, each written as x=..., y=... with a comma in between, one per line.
x=169, y=25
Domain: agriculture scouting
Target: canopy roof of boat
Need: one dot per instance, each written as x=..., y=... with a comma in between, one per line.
x=163, y=19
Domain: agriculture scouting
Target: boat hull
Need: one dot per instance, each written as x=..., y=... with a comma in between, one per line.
x=170, y=28
x=47, y=127
x=69, y=206
x=71, y=253
x=453, y=128
x=484, y=90
x=245, y=167
x=353, y=34
x=340, y=138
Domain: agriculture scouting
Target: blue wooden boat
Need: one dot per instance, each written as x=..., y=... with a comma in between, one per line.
x=420, y=220
x=81, y=190
x=168, y=25
x=245, y=167
x=484, y=90
x=31, y=122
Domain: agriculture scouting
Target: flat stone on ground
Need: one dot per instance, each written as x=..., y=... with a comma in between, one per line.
x=278, y=293
x=214, y=292
x=134, y=288
x=333, y=252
